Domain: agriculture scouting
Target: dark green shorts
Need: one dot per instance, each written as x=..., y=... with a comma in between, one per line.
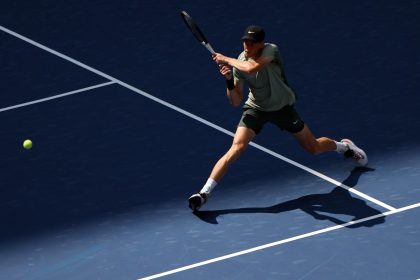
x=286, y=119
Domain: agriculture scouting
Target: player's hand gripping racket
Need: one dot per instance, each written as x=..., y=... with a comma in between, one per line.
x=196, y=31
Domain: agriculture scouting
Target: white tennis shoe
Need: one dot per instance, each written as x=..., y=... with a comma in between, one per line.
x=355, y=152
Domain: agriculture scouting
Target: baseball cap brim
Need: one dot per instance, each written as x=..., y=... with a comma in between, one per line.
x=248, y=37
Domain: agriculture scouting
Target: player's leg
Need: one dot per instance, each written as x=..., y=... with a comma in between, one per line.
x=250, y=124
x=323, y=144
x=317, y=145
x=241, y=140
x=287, y=118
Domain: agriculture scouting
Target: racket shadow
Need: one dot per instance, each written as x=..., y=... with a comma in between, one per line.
x=319, y=206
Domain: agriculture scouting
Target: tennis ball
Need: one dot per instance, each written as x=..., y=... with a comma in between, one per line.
x=27, y=144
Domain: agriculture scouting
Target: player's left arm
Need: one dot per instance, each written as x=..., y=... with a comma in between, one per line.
x=248, y=67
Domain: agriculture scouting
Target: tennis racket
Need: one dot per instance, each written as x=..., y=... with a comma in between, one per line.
x=195, y=30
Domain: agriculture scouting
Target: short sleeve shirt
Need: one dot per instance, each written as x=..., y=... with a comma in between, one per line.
x=268, y=89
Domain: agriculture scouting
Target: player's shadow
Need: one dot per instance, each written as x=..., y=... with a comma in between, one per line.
x=319, y=206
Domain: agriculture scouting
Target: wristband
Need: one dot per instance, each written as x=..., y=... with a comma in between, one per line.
x=230, y=84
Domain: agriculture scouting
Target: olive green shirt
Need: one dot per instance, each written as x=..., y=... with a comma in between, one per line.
x=268, y=89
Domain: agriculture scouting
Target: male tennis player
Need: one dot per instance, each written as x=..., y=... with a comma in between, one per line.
x=270, y=99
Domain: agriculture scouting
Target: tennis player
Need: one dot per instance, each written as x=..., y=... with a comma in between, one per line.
x=270, y=99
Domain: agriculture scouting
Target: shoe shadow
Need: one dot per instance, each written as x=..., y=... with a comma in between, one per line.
x=338, y=201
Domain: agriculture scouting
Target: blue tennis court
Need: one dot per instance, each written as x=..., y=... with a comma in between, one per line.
x=128, y=114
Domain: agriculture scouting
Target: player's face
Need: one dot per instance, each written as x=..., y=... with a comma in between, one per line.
x=251, y=48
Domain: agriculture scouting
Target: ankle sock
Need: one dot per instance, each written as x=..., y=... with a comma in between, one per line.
x=209, y=186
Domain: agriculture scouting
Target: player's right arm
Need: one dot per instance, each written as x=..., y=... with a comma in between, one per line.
x=235, y=94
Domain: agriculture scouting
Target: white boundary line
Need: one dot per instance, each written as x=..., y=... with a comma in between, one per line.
x=197, y=118
x=56, y=96
x=280, y=242
x=322, y=176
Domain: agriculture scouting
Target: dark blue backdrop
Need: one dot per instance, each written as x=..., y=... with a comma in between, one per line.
x=103, y=192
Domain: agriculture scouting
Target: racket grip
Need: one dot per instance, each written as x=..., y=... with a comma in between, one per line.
x=209, y=48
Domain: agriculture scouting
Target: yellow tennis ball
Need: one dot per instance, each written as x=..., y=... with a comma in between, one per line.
x=27, y=144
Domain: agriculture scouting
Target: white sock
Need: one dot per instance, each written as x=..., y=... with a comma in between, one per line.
x=209, y=186
x=341, y=148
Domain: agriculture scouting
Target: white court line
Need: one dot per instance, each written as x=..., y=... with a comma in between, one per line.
x=56, y=96
x=197, y=118
x=322, y=176
x=280, y=242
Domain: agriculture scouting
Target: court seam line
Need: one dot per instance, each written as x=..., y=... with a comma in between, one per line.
x=56, y=96
x=195, y=117
x=280, y=242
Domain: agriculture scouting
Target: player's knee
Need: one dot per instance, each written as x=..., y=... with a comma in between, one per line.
x=239, y=147
x=236, y=150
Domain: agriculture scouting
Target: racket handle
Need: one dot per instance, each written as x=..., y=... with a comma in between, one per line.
x=209, y=48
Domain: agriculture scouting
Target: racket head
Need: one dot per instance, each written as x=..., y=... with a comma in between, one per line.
x=195, y=30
